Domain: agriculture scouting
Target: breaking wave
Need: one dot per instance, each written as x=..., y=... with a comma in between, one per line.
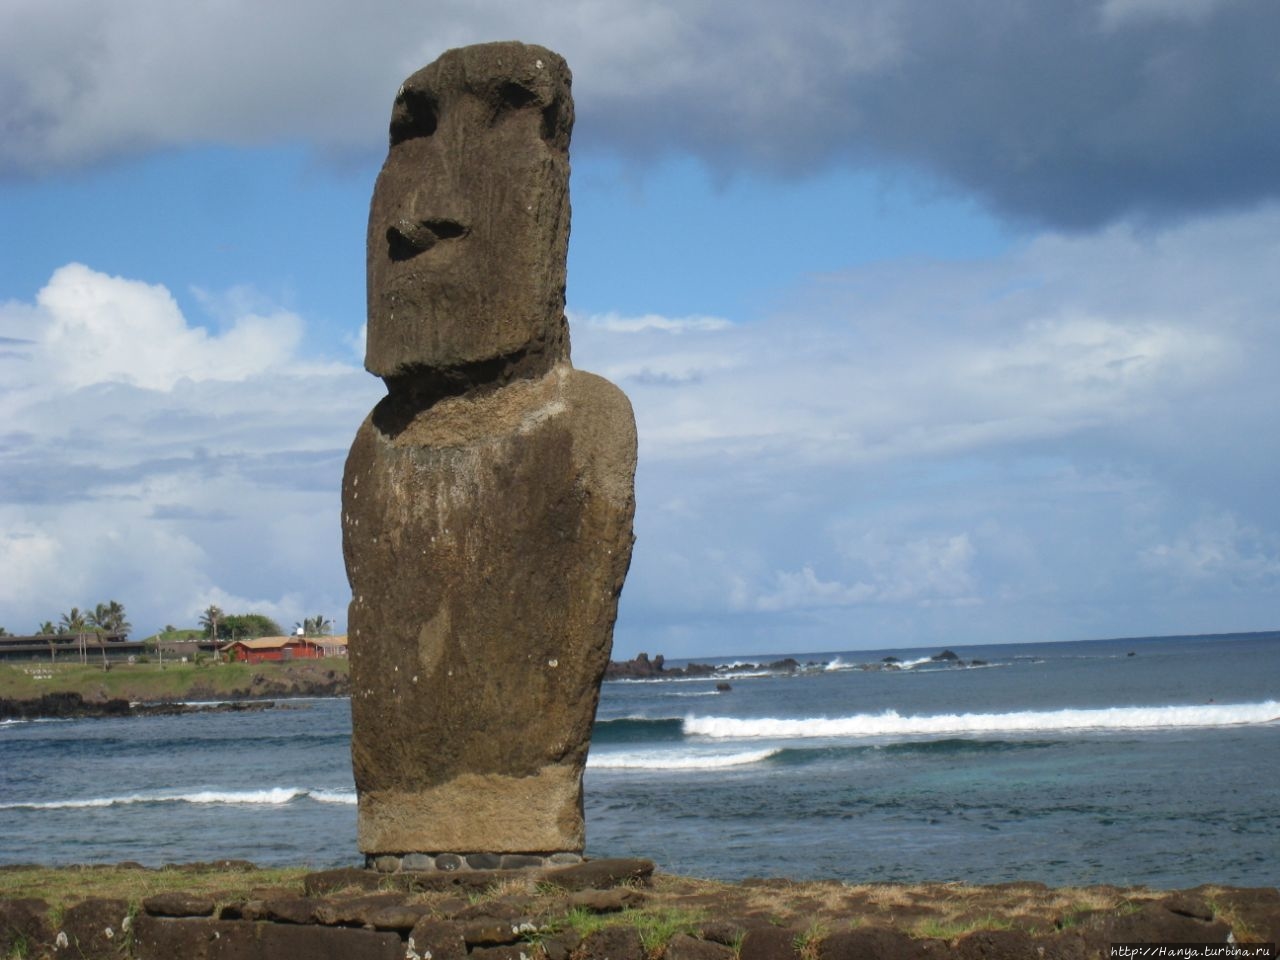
x=892, y=723
x=277, y=796
x=678, y=761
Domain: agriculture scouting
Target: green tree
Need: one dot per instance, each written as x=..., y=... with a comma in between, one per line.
x=46, y=629
x=316, y=626
x=73, y=621
x=109, y=618
x=3, y=632
x=211, y=620
x=244, y=626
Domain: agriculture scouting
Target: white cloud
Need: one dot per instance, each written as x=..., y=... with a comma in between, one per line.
x=101, y=329
x=151, y=461
x=923, y=572
x=1219, y=548
x=616, y=323
x=1021, y=443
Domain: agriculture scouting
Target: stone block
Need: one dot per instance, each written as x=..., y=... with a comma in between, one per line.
x=93, y=928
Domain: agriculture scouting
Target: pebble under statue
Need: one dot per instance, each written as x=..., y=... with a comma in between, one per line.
x=487, y=500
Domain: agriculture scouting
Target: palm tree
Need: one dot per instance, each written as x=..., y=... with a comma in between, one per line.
x=316, y=626
x=46, y=629
x=73, y=621
x=209, y=620
x=115, y=619
x=101, y=618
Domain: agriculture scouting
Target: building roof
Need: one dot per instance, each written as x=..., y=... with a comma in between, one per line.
x=263, y=643
x=275, y=643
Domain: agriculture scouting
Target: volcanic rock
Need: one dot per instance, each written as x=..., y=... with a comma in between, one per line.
x=488, y=499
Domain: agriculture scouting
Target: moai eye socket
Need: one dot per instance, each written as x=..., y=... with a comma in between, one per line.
x=415, y=114
x=514, y=96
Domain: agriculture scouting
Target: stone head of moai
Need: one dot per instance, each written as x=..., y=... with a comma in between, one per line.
x=469, y=224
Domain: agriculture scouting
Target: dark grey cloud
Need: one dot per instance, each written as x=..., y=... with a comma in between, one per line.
x=1070, y=113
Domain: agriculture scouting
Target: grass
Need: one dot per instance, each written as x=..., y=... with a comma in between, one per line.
x=61, y=887
x=807, y=942
x=657, y=926
x=950, y=929
x=150, y=682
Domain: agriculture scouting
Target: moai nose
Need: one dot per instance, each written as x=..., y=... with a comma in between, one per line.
x=408, y=238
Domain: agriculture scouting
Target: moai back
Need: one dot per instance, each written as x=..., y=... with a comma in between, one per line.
x=488, y=498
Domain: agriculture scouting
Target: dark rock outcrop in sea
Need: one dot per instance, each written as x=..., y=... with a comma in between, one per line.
x=487, y=500
x=641, y=667
x=68, y=705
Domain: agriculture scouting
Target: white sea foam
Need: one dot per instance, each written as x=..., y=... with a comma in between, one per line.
x=334, y=796
x=277, y=796
x=892, y=723
x=676, y=760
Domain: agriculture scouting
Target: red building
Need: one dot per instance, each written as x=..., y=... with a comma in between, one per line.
x=285, y=648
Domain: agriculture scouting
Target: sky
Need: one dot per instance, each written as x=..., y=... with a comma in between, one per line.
x=944, y=324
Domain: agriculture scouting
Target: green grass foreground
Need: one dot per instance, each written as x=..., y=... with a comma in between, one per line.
x=152, y=682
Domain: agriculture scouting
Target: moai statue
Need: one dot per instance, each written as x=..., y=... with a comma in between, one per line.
x=488, y=498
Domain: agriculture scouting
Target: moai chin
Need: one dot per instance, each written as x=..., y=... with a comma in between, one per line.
x=488, y=498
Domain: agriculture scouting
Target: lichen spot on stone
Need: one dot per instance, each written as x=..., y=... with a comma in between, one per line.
x=553, y=663
x=538, y=64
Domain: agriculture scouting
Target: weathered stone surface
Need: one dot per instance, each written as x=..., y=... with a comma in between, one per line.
x=291, y=910
x=270, y=941
x=488, y=499
x=163, y=938
x=768, y=943
x=1176, y=920
x=359, y=911
x=178, y=905
x=995, y=945
x=613, y=943
x=607, y=901
x=599, y=874
x=441, y=940
x=24, y=925
x=94, y=928
x=684, y=947
x=878, y=942
x=469, y=224
x=326, y=881
x=486, y=544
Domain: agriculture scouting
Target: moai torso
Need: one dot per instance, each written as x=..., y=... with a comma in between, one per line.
x=488, y=499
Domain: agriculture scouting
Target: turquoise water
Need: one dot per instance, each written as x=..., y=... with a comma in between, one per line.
x=1125, y=762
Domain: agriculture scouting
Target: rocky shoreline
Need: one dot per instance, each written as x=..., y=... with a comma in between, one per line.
x=67, y=705
x=615, y=909
x=641, y=667
x=262, y=692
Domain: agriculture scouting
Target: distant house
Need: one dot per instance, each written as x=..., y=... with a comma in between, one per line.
x=262, y=649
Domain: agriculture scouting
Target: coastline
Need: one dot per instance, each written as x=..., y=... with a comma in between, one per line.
x=39, y=691
x=619, y=909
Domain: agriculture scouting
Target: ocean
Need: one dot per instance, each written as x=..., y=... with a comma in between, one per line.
x=1124, y=762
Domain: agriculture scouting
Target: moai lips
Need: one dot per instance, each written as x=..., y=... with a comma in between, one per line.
x=488, y=499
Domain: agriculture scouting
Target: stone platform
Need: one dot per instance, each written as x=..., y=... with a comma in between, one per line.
x=616, y=909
